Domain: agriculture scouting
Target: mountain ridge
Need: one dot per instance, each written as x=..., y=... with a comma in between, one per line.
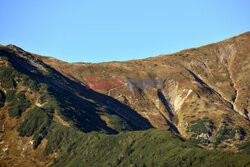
x=219, y=51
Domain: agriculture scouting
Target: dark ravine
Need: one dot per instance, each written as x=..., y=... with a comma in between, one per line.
x=166, y=104
x=212, y=91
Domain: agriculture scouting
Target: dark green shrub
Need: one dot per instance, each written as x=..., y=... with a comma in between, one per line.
x=225, y=133
x=2, y=99
x=10, y=95
x=32, y=84
x=18, y=105
x=36, y=123
x=202, y=125
x=244, y=148
x=7, y=76
x=118, y=123
x=143, y=148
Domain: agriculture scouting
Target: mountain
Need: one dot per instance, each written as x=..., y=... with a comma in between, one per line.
x=205, y=90
x=189, y=108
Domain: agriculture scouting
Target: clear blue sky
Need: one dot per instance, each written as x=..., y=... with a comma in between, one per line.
x=109, y=30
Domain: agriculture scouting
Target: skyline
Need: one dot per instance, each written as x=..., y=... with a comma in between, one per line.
x=97, y=31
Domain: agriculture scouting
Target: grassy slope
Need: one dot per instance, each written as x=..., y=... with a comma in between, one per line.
x=215, y=74
x=73, y=147
x=142, y=148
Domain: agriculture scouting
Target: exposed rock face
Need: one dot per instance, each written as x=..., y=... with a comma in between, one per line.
x=210, y=81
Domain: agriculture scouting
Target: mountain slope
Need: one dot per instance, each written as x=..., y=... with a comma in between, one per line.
x=205, y=92
x=48, y=116
x=35, y=95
